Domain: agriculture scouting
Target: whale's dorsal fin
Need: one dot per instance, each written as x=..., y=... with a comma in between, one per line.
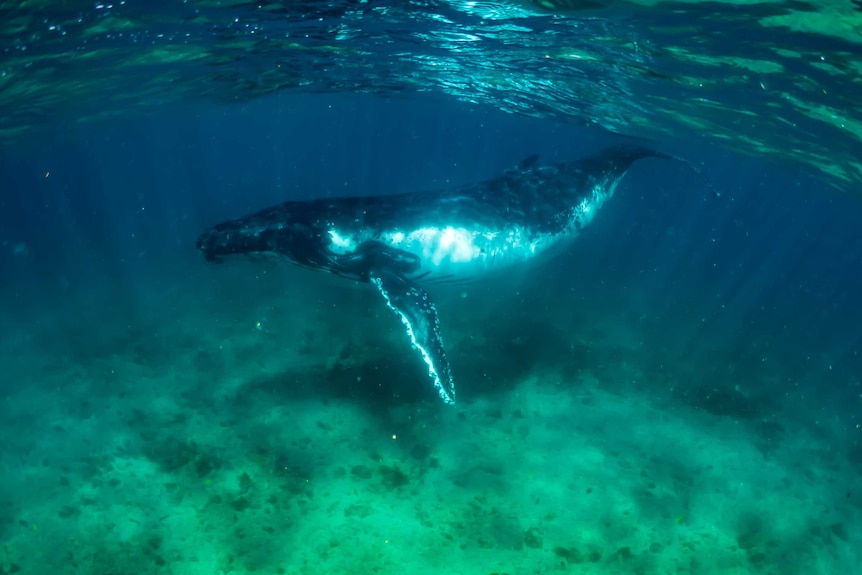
x=419, y=315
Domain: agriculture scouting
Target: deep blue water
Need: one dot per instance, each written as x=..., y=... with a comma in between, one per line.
x=116, y=206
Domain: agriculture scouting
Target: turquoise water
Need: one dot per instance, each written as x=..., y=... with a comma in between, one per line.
x=273, y=434
x=677, y=393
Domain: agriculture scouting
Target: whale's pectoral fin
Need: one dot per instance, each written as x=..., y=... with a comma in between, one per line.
x=419, y=316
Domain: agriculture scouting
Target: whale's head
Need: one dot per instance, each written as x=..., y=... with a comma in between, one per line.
x=212, y=245
x=262, y=237
x=233, y=238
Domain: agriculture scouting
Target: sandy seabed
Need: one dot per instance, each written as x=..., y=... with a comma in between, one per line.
x=272, y=439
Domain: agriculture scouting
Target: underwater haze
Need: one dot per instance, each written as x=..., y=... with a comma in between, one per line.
x=676, y=391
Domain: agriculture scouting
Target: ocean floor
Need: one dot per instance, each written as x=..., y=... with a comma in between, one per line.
x=293, y=432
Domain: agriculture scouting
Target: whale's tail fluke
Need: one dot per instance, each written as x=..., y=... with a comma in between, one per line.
x=619, y=158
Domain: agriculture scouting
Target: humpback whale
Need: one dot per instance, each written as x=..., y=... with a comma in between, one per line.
x=398, y=242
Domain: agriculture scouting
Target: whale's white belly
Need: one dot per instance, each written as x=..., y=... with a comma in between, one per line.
x=456, y=251
x=460, y=250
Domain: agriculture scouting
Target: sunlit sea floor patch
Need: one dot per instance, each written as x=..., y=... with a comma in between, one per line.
x=184, y=472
